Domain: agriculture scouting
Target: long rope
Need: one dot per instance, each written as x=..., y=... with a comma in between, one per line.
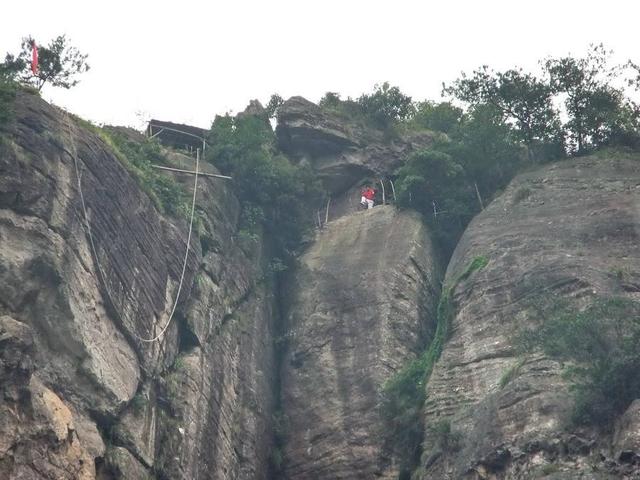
x=93, y=247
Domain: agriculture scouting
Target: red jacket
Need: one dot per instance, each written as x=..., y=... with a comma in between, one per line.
x=368, y=193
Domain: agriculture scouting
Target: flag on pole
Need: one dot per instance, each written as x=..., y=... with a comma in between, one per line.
x=34, y=58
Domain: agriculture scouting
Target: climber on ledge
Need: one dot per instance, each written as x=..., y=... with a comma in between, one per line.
x=368, y=195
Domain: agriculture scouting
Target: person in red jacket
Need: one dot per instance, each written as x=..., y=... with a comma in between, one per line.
x=368, y=195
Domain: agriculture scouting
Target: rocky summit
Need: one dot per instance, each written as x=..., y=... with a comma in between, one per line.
x=121, y=360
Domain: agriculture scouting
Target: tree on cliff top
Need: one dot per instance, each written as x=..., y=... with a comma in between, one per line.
x=275, y=194
x=58, y=64
x=386, y=105
x=524, y=101
x=597, y=109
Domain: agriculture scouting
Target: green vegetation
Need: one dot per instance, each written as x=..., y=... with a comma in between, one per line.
x=137, y=156
x=7, y=96
x=275, y=102
x=58, y=64
x=276, y=196
x=440, y=117
x=621, y=273
x=178, y=364
x=596, y=109
x=521, y=100
x=444, y=439
x=600, y=345
x=280, y=432
x=386, y=105
x=511, y=373
x=451, y=181
x=138, y=403
x=521, y=194
x=511, y=119
x=385, y=108
x=404, y=394
x=548, y=469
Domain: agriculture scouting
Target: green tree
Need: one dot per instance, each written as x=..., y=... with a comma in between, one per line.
x=451, y=181
x=596, y=109
x=275, y=194
x=524, y=101
x=441, y=117
x=275, y=102
x=386, y=105
x=58, y=64
x=330, y=99
x=600, y=345
x=7, y=97
x=487, y=149
x=433, y=182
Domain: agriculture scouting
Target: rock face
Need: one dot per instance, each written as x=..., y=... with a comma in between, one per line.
x=83, y=395
x=342, y=150
x=38, y=438
x=563, y=229
x=361, y=305
x=197, y=403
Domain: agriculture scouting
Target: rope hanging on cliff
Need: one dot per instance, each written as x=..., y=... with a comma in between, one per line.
x=74, y=155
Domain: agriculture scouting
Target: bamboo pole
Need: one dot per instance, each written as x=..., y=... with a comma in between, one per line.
x=326, y=216
x=393, y=190
x=479, y=197
x=191, y=172
x=384, y=200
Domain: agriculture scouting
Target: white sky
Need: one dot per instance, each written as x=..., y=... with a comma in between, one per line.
x=187, y=60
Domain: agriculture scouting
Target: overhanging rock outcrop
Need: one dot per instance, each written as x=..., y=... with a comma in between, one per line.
x=563, y=230
x=341, y=149
x=361, y=305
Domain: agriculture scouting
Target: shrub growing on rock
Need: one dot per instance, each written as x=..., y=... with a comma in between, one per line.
x=274, y=193
x=600, y=345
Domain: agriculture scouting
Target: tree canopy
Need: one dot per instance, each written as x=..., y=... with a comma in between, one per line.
x=275, y=194
x=386, y=104
x=59, y=64
x=597, y=109
x=577, y=103
x=523, y=100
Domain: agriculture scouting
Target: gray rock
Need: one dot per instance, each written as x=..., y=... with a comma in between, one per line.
x=626, y=440
x=342, y=151
x=361, y=305
x=577, y=222
x=76, y=330
x=119, y=463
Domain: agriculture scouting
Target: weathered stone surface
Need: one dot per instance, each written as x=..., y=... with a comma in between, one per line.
x=220, y=425
x=626, y=440
x=119, y=463
x=80, y=326
x=88, y=318
x=137, y=426
x=38, y=439
x=563, y=229
x=362, y=305
x=341, y=150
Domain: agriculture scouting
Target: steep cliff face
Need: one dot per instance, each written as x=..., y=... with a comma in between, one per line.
x=361, y=305
x=84, y=396
x=564, y=230
x=80, y=388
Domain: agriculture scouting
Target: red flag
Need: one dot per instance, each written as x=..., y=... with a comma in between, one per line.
x=34, y=58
